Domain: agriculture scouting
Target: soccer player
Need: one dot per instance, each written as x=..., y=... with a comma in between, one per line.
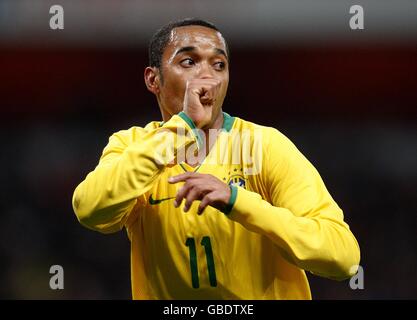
x=215, y=207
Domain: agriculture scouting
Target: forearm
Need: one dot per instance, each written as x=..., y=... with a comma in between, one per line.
x=322, y=243
x=111, y=191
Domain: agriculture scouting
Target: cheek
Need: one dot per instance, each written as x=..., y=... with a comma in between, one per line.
x=178, y=82
x=225, y=85
x=173, y=91
x=173, y=86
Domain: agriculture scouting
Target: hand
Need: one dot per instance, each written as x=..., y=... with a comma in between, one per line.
x=205, y=187
x=200, y=96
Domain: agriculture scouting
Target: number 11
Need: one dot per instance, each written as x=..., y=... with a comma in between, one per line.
x=190, y=243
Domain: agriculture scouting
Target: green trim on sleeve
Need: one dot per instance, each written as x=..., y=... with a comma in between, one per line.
x=191, y=124
x=232, y=200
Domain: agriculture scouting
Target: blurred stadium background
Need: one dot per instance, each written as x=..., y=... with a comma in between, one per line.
x=348, y=100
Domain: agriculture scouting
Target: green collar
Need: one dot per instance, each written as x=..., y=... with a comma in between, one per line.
x=228, y=121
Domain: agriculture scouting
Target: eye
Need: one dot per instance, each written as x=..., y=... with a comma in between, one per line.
x=220, y=65
x=188, y=62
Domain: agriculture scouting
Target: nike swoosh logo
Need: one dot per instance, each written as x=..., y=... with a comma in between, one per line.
x=158, y=201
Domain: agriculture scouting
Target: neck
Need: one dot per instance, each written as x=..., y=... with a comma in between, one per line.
x=216, y=125
x=165, y=115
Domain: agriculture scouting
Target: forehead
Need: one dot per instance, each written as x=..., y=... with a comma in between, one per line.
x=195, y=36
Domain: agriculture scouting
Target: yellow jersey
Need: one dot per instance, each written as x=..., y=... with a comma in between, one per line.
x=281, y=219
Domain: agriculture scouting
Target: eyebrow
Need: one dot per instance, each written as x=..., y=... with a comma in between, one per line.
x=222, y=52
x=191, y=48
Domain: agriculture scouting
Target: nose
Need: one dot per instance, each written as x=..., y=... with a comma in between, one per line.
x=206, y=71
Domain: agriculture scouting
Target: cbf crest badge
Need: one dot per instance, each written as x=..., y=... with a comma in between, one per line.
x=236, y=178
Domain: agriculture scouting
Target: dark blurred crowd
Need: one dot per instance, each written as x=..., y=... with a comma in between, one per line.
x=370, y=170
x=368, y=162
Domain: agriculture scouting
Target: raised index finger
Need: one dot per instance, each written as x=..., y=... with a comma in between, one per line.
x=181, y=177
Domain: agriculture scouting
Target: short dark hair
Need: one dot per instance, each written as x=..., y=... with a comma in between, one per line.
x=160, y=39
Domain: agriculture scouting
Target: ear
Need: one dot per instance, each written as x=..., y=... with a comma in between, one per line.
x=152, y=79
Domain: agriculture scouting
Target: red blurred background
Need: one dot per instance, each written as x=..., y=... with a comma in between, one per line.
x=347, y=99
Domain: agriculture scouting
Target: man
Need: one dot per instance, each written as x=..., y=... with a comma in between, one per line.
x=205, y=220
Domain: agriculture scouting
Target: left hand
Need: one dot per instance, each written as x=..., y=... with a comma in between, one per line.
x=205, y=187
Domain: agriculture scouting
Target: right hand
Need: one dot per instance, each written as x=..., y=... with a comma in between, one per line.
x=199, y=99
